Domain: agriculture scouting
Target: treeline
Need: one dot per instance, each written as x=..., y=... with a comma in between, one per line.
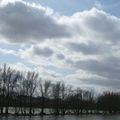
x=25, y=94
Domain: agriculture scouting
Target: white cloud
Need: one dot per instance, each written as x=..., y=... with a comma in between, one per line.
x=5, y=2
x=5, y=51
x=20, y=66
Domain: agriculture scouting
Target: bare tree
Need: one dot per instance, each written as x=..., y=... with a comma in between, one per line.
x=44, y=90
x=63, y=97
x=1, y=92
x=56, y=93
x=8, y=83
x=31, y=79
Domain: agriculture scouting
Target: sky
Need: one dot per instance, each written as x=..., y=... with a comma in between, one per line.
x=74, y=41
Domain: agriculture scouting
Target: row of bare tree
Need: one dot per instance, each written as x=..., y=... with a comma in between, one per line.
x=23, y=93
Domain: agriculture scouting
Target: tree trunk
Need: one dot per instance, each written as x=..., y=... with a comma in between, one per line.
x=42, y=106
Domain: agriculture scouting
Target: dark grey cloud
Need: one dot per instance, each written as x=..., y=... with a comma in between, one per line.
x=89, y=48
x=20, y=22
x=107, y=83
x=60, y=56
x=105, y=68
x=45, y=52
x=104, y=73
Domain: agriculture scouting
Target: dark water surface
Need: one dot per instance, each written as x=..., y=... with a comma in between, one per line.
x=70, y=117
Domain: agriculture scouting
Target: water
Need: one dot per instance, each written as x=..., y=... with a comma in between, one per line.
x=83, y=117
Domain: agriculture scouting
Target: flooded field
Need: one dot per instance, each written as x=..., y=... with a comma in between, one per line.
x=71, y=117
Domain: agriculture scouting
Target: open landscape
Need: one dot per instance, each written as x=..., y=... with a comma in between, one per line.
x=59, y=60
x=24, y=94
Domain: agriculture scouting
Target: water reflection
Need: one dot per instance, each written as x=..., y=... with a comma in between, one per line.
x=70, y=117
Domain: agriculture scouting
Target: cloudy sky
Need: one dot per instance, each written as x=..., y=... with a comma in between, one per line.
x=75, y=41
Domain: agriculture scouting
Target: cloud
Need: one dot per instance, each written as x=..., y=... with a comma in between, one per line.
x=102, y=73
x=24, y=22
x=5, y=51
x=106, y=30
x=5, y=2
x=98, y=5
x=88, y=48
x=46, y=51
x=60, y=56
x=86, y=42
x=94, y=25
x=20, y=67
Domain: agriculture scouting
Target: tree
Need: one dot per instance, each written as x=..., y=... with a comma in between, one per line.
x=31, y=79
x=44, y=89
x=56, y=92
